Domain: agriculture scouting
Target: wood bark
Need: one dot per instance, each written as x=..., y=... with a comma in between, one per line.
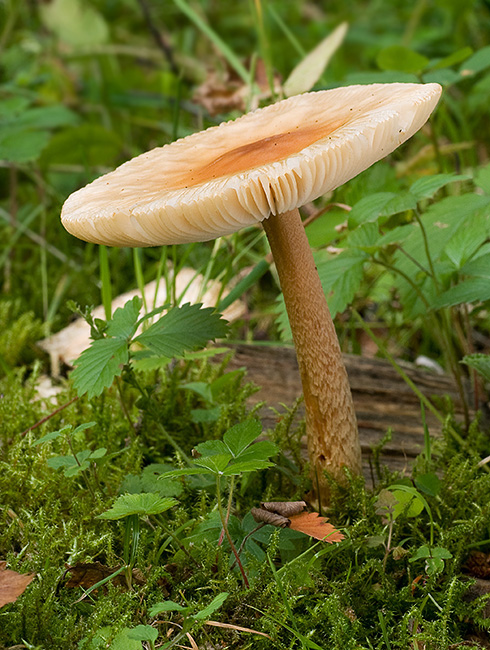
x=382, y=399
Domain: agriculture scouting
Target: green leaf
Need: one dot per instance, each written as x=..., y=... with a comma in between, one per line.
x=89, y=145
x=98, y=453
x=478, y=266
x=75, y=22
x=369, y=208
x=341, y=277
x=214, y=605
x=166, y=606
x=407, y=503
x=477, y=63
x=206, y=416
x=215, y=464
x=22, y=146
x=472, y=290
x=420, y=554
x=185, y=471
x=121, y=641
x=399, y=57
x=479, y=362
x=138, y=504
x=482, y=178
x=241, y=467
x=212, y=448
x=467, y=241
x=240, y=436
x=143, y=633
x=51, y=436
x=261, y=450
x=58, y=462
x=46, y=117
x=427, y=186
x=429, y=484
x=98, y=365
x=310, y=69
x=451, y=59
x=181, y=329
x=124, y=320
x=201, y=388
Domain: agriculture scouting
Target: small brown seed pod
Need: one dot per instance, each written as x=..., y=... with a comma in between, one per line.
x=264, y=516
x=284, y=508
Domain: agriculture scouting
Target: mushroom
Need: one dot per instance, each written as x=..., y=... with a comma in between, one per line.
x=261, y=168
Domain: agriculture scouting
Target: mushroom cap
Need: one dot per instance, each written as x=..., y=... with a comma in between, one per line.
x=269, y=161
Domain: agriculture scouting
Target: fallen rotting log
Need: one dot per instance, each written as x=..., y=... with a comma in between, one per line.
x=382, y=399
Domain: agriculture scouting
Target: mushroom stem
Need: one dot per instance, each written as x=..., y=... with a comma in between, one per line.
x=331, y=427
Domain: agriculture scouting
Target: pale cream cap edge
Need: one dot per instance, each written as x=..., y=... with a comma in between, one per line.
x=387, y=115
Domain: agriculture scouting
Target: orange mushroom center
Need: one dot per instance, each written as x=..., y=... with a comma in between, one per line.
x=255, y=154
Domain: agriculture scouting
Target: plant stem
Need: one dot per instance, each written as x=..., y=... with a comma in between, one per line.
x=227, y=532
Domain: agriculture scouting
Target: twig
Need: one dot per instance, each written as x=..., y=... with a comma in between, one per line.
x=48, y=417
x=155, y=32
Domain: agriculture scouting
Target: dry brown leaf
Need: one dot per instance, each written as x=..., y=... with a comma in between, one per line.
x=88, y=574
x=310, y=523
x=224, y=90
x=12, y=584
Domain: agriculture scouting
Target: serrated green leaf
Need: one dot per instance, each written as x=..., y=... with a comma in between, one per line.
x=466, y=241
x=181, y=329
x=261, y=450
x=242, y=467
x=479, y=362
x=98, y=365
x=215, y=464
x=187, y=471
x=212, y=448
x=211, y=608
x=240, y=436
x=402, y=202
x=341, y=277
x=124, y=320
x=46, y=117
x=369, y=208
x=142, y=505
x=399, y=57
x=22, y=146
x=310, y=69
x=427, y=186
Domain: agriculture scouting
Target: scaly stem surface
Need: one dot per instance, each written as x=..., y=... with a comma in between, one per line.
x=333, y=440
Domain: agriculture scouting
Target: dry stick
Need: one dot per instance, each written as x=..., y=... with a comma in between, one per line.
x=331, y=428
x=48, y=417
